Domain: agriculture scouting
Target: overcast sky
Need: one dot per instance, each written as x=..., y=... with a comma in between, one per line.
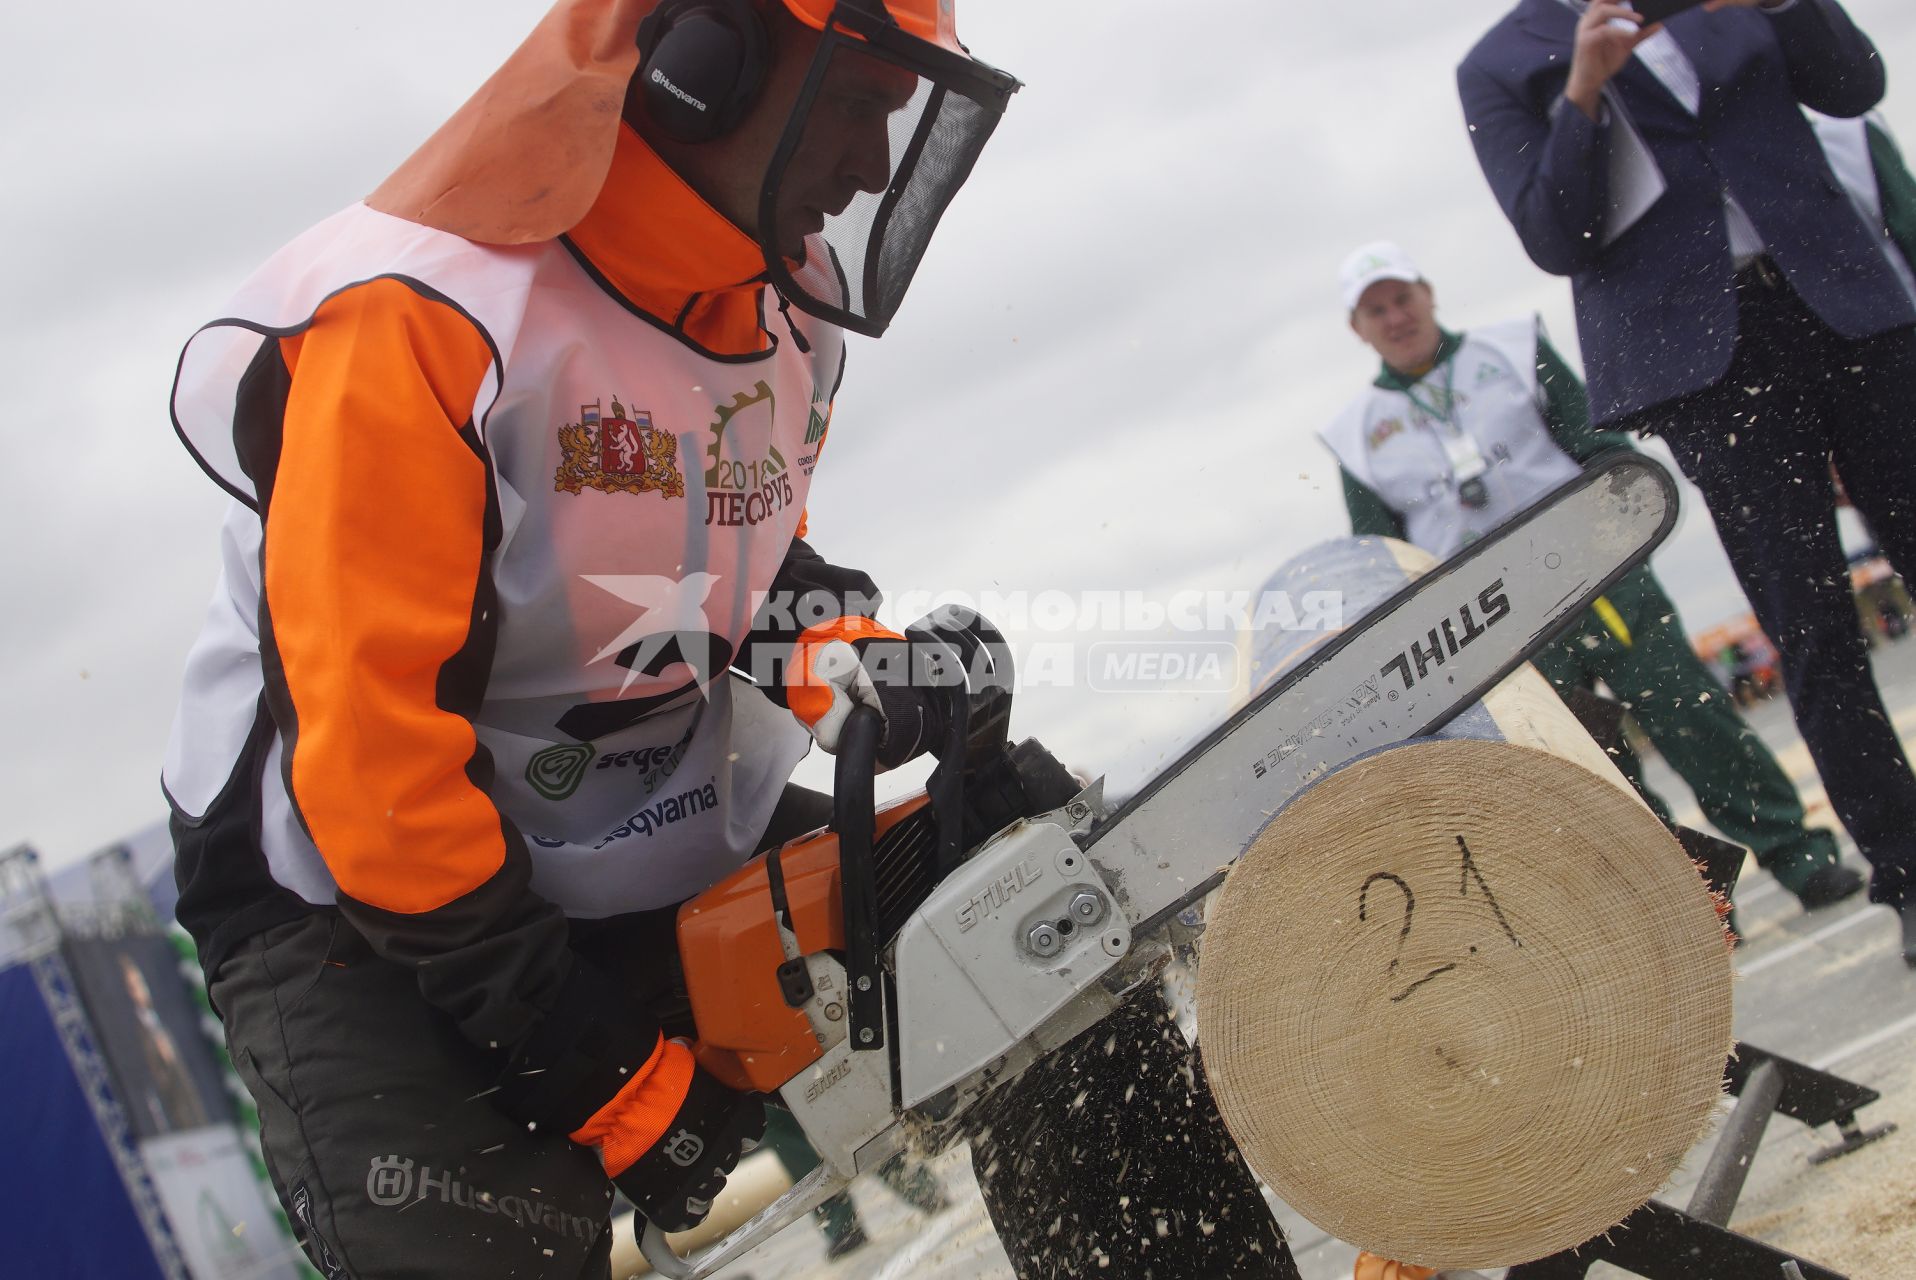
x=1107, y=376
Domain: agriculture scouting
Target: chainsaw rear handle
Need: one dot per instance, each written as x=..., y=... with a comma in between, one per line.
x=854, y=813
x=657, y=1250
x=812, y=1190
x=976, y=720
x=975, y=665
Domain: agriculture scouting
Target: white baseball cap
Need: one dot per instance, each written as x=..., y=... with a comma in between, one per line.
x=1380, y=260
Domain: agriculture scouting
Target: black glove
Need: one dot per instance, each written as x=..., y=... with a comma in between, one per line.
x=914, y=709
x=675, y=1182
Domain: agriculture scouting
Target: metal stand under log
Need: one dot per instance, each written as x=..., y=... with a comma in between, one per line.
x=1806, y=1094
x=1659, y=1242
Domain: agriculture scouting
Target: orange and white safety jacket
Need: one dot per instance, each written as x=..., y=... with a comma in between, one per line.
x=502, y=520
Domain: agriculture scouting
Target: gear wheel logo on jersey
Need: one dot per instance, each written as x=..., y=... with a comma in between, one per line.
x=747, y=480
x=620, y=453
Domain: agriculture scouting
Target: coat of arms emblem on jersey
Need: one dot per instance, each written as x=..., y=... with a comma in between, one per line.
x=617, y=452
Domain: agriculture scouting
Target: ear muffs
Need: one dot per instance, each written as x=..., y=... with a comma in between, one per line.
x=701, y=65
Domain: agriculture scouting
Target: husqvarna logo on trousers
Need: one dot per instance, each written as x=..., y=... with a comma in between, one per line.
x=397, y=1182
x=389, y=1181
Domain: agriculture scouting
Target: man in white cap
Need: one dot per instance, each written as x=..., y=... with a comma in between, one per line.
x=518, y=446
x=1457, y=433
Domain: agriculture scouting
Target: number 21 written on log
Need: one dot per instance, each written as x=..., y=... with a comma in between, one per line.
x=1468, y=873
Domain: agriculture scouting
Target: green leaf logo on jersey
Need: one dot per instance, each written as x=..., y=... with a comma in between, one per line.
x=815, y=427
x=555, y=773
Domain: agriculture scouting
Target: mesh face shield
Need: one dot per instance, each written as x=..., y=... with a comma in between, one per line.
x=884, y=132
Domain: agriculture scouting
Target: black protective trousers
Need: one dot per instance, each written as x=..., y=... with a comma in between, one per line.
x=392, y=1163
x=389, y=1159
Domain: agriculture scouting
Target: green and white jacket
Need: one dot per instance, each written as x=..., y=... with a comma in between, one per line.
x=1515, y=403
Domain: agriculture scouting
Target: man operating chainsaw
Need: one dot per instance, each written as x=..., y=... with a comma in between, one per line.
x=518, y=447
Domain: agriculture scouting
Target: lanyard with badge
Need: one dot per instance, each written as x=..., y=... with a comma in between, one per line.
x=1467, y=462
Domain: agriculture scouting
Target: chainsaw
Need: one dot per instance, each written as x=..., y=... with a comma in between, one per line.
x=886, y=974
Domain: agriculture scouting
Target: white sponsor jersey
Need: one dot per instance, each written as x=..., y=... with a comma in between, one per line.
x=1473, y=429
x=645, y=492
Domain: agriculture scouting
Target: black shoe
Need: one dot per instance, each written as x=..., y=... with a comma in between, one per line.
x=1831, y=883
x=1908, y=912
x=851, y=1242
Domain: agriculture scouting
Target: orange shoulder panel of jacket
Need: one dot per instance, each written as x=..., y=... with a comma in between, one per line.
x=374, y=548
x=638, y=1113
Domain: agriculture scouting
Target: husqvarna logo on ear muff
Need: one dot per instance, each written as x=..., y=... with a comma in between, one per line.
x=658, y=78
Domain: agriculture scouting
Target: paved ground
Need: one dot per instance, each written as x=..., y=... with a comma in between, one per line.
x=1827, y=989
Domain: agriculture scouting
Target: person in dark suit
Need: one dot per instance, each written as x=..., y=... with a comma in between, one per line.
x=1731, y=299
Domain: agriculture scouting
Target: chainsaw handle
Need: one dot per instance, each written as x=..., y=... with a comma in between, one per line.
x=810, y=1191
x=854, y=812
x=974, y=670
x=657, y=1250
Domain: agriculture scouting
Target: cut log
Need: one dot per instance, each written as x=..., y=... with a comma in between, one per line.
x=1465, y=1001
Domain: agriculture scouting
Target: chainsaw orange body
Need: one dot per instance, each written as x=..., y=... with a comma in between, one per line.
x=749, y=1036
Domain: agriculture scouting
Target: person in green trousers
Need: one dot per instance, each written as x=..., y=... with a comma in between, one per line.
x=1460, y=431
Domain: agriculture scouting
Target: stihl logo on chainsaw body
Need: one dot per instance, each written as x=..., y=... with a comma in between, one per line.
x=976, y=909
x=826, y=1080
x=1445, y=640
